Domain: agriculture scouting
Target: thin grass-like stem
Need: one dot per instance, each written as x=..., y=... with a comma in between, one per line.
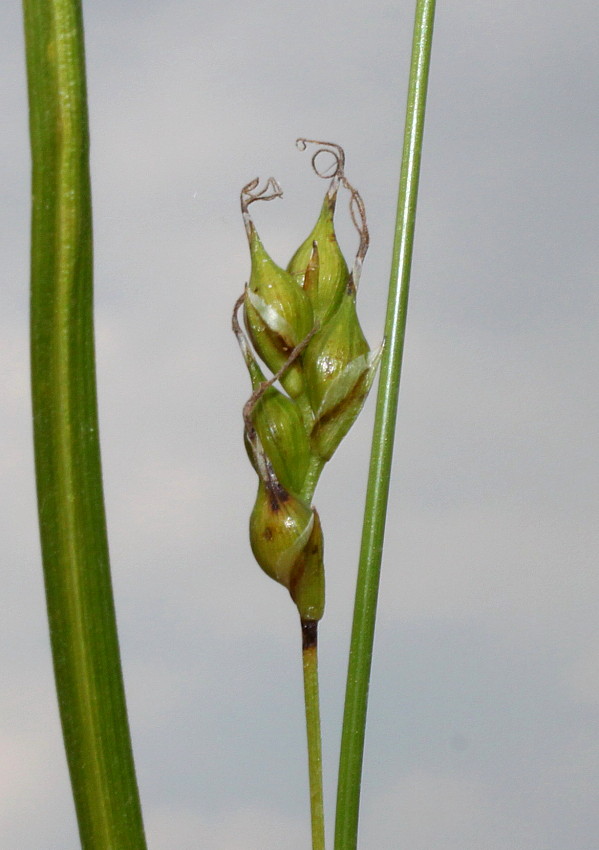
x=356, y=698
x=312, y=702
x=72, y=521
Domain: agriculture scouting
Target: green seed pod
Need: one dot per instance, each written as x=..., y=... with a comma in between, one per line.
x=339, y=370
x=279, y=426
x=307, y=577
x=326, y=287
x=278, y=314
x=286, y=540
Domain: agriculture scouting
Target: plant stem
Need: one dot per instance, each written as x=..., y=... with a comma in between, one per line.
x=67, y=453
x=356, y=698
x=310, y=663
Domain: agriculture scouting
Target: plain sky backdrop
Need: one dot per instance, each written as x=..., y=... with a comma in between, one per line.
x=484, y=716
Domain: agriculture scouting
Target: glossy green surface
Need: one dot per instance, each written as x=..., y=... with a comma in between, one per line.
x=67, y=454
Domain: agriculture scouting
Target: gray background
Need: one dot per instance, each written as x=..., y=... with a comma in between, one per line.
x=484, y=716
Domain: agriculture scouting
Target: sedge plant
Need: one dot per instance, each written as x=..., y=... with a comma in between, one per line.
x=301, y=323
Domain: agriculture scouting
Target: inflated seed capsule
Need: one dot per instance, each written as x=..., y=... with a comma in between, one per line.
x=274, y=418
x=278, y=313
x=286, y=540
x=339, y=369
x=307, y=577
x=319, y=265
x=279, y=426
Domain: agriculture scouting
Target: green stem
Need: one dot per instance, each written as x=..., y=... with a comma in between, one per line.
x=356, y=698
x=310, y=663
x=67, y=454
